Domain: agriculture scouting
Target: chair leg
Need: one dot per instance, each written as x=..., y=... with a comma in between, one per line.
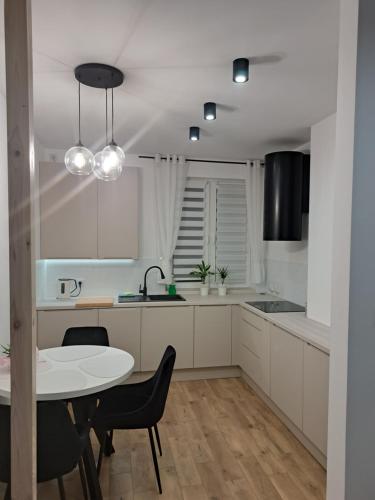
x=7, y=495
x=60, y=482
x=109, y=449
x=154, y=457
x=101, y=453
x=82, y=474
x=158, y=438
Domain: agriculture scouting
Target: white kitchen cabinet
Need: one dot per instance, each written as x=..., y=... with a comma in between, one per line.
x=163, y=326
x=124, y=330
x=253, y=348
x=118, y=217
x=315, y=396
x=68, y=214
x=236, y=319
x=212, y=336
x=81, y=217
x=52, y=325
x=287, y=374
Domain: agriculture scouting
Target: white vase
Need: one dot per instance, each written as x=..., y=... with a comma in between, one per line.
x=221, y=290
x=204, y=289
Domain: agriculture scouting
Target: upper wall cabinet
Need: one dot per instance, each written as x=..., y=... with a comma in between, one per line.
x=118, y=216
x=81, y=217
x=68, y=214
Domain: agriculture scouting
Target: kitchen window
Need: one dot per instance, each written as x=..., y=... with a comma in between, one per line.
x=213, y=228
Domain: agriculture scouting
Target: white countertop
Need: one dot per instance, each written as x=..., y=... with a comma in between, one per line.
x=296, y=323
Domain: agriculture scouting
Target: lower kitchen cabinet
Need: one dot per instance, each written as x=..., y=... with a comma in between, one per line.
x=315, y=396
x=52, y=325
x=253, y=348
x=287, y=374
x=163, y=326
x=124, y=330
x=236, y=318
x=212, y=336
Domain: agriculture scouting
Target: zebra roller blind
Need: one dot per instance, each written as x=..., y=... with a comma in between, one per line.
x=231, y=230
x=213, y=228
x=191, y=243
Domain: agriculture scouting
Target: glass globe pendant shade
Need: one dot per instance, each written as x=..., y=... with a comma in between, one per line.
x=109, y=162
x=79, y=160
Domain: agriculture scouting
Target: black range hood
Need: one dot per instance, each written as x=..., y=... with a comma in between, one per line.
x=285, y=195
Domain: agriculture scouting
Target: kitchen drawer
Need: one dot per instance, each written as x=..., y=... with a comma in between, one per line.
x=252, y=337
x=252, y=365
x=253, y=319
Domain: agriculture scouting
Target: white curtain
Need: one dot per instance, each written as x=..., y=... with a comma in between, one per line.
x=254, y=197
x=170, y=180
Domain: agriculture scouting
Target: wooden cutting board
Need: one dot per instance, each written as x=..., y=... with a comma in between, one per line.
x=91, y=302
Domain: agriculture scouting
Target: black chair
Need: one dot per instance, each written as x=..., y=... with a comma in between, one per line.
x=89, y=335
x=86, y=335
x=137, y=406
x=60, y=445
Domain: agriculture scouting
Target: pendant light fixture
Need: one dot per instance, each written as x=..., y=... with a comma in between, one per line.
x=107, y=164
x=194, y=133
x=78, y=159
x=209, y=111
x=241, y=70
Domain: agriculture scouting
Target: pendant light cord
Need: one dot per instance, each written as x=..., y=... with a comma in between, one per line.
x=106, y=117
x=79, y=113
x=113, y=115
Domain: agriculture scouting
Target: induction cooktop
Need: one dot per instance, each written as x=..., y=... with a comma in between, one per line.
x=276, y=306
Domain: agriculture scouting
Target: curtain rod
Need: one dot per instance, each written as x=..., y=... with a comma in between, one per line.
x=205, y=161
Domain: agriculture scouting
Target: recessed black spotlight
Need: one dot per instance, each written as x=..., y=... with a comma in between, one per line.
x=209, y=111
x=241, y=70
x=194, y=133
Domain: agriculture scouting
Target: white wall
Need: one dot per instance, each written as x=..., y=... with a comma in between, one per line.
x=286, y=267
x=4, y=253
x=341, y=228
x=322, y=187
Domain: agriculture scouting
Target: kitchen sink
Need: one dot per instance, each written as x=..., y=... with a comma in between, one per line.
x=150, y=298
x=165, y=298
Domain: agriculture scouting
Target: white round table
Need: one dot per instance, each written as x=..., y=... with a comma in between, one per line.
x=74, y=371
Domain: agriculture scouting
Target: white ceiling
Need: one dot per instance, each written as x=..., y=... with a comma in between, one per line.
x=177, y=54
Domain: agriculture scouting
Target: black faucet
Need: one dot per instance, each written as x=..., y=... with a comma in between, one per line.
x=144, y=291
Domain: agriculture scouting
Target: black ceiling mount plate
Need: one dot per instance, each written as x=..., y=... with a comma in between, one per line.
x=100, y=76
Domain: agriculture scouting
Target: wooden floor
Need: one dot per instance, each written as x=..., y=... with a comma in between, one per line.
x=220, y=441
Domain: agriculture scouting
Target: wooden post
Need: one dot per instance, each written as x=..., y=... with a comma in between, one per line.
x=18, y=55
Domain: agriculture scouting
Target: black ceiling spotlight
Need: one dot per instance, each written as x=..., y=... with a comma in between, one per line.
x=209, y=110
x=194, y=133
x=241, y=70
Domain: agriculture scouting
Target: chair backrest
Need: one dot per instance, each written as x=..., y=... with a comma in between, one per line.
x=161, y=382
x=86, y=335
x=59, y=446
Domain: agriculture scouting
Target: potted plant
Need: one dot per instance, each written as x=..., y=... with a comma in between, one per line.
x=223, y=274
x=202, y=271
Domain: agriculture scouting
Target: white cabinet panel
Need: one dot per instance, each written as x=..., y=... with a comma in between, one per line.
x=236, y=318
x=315, y=399
x=287, y=373
x=162, y=326
x=212, y=336
x=52, y=325
x=124, y=330
x=254, y=348
x=68, y=213
x=118, y=217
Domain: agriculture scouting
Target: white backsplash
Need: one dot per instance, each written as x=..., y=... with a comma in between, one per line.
x=287, y=280
x=99, y=277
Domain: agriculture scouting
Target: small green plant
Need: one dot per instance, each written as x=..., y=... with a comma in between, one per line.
x=201, y=271
x=223, y=272
x=5, y=350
